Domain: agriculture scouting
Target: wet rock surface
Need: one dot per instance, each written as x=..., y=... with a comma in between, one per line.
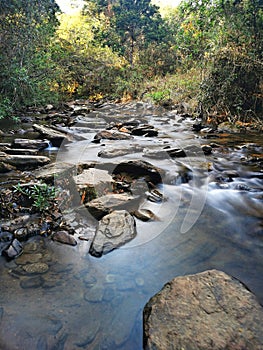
x=209, y=310
x=114, y=230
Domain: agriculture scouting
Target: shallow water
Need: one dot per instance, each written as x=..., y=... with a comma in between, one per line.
x=207, y=222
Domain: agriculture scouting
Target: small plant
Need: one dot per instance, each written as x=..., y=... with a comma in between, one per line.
x=159, y=96
x=43, y=195
x=5, y=107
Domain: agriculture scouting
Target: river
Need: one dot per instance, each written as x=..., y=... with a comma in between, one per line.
x=211, y=218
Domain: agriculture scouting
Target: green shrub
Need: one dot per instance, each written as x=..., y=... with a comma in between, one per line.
x=233, y=84
x=41, y=194
x=6, y=108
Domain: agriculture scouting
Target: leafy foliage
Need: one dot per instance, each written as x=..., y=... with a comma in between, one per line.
x=25, y=68
x=42, y=195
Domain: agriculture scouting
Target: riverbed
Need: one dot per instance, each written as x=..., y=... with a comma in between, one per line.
x=211, y=218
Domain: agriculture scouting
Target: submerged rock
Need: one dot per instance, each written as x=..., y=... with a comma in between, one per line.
x=209, y=310
x=64, y=237
x=114, y=230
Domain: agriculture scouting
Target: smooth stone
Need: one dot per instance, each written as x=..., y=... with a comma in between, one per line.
x=88, y=334
x=36, y=268
x=94, y=294
x=64, y=237
x=28, y=258
x=144, y=214
x=34, y=282
x=94, y=179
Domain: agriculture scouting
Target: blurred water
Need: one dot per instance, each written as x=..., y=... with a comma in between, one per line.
x=87, y=303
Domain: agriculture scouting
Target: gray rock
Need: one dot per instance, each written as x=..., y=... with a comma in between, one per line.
x=64, y=237
x=96, y=180
x=13, y=250
x=24, y=161
x=209, y=310
x=104, y=205
x=21, y=151
x=30, y=144
x=114, y=152
x=55, y=136
x=25, y=259
x=50, y=171
x=114, y=230
x=112, y=135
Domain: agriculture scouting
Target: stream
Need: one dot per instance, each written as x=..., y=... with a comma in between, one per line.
x=211, y=218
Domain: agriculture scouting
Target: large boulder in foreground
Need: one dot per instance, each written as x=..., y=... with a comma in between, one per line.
x=209, y=310
x=114, y=230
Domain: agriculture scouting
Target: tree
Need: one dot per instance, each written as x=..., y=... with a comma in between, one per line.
x=129, y=25
x=26, y=28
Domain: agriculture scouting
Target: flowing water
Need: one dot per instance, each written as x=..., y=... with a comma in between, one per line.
x=211, y=219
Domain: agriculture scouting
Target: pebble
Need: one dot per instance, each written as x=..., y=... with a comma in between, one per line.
x=36, y=268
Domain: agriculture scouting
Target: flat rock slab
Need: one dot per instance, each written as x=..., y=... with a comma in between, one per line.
x=105, y=204
x=57, y=170
x=96, y=179
x=55, y=136
x=114, y=230
x=112, y=135
x=24, y=161
x=30, y=144
x=210, y=310
x=119, y=152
